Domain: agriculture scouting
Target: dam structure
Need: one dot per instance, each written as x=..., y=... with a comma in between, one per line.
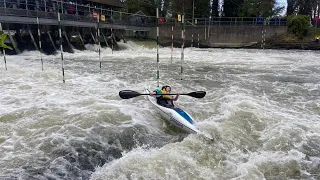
x=31, y=22
x=221, y=32
x=35, y=24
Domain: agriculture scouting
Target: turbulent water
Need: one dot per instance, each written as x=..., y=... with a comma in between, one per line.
x=262, y=107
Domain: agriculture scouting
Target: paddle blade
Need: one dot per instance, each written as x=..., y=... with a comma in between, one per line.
x=127, y=94
x=197, y=94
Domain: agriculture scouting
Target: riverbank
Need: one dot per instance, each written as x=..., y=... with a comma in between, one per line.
x=287, y=41
x=240, y=37
x=278, y=42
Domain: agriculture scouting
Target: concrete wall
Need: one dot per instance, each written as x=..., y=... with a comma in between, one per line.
x=218, y=36
x=26, y=38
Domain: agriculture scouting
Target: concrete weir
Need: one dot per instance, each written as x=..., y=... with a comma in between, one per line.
x=81, y=23
x=26, y=37
x=218, y=36
x=37, y=25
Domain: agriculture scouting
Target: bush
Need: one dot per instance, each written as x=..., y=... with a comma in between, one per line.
x=298, y=25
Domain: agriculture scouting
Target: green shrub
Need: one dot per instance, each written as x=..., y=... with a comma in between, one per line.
x=298, y=25
x=2, y=39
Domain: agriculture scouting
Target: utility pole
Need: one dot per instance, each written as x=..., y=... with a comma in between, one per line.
x=193, y=12
x=183, y=37
x=157, y=17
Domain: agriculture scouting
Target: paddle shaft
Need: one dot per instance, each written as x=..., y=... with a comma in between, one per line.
x=126, y=94
x=165, y=94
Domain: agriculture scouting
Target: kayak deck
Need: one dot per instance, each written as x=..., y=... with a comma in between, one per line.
x=176, y=116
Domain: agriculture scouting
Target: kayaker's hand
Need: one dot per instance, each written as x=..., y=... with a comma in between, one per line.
x=152, y=93
x=175, y=98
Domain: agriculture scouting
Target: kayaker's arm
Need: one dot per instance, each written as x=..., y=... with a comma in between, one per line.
x=157, y=91
x=175, y=98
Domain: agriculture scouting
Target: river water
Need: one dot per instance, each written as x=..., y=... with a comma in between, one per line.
x=262, y=107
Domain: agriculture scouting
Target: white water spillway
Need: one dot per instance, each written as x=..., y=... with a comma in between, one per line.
x=262, y=107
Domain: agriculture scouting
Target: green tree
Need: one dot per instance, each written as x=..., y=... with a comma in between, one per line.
x=180, y=6
x=305, y=7
x=148, y=7
x=231, y=8
x=255, y=8
x=251, y=8
x=165, y=7
x=291, y=6
x=215, y=8
x=316, y=7
x=202, y=8
x=298, y=25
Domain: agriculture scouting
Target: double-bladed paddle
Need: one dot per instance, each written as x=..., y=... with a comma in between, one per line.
x=127, y=94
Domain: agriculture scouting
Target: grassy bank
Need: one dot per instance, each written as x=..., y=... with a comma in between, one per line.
x=290, y=41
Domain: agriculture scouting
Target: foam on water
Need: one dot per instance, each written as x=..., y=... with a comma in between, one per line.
x=261, y=107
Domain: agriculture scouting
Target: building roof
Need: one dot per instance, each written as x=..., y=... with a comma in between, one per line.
x=115, y=3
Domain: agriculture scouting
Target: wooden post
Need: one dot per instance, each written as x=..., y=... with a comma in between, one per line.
x=171, y=42
x=157, y=14
x=32, y=38
x=70, y=45
x=13, y=42
x=52, y=43
x=82, y=42
x=105, y=39
x=3, y=50
x=98, y=39
x=198, y=41
x=191, y=41
x=182, y=46
x=61, y=48
x=93, y=37
x=112, y=41
x=205, y=28
x=40, y=48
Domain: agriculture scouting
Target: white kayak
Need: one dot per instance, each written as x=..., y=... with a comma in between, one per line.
x=177, y=116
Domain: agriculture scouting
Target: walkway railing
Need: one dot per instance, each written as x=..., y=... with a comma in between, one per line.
x=230, y=21
x=85, y=13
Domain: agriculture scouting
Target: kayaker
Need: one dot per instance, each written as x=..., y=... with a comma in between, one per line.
x=165, y=100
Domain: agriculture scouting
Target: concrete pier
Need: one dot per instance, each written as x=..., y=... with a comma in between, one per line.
x=22, y=38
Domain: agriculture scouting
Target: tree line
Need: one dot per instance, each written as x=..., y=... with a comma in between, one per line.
x=304, y=7
x=226, y=8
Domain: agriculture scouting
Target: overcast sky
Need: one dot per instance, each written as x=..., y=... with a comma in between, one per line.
x=282, y=2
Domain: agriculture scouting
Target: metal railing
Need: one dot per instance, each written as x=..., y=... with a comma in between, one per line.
x=229, y=21
x=85, y=13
